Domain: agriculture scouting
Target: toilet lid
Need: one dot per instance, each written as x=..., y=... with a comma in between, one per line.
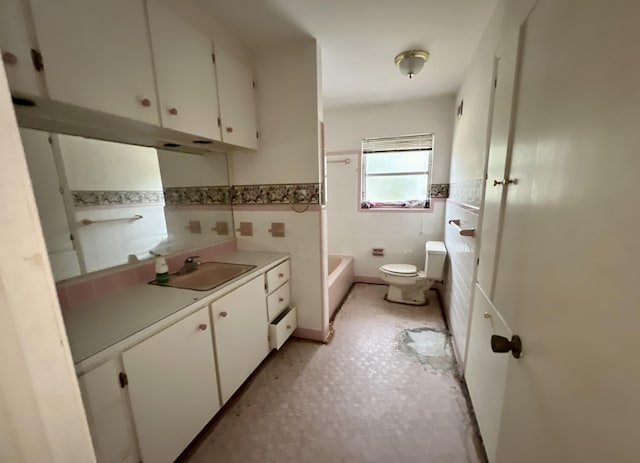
x=400, y=269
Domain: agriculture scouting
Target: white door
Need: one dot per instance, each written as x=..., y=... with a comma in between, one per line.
x=498, y=162
x=97, y=55
x=485, y=371
x=236, y=96
x=186, y=77
x=172, y=387
x=569, y=256
x=241, y=334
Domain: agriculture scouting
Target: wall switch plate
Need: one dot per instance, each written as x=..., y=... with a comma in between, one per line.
x=194, y=226
x=245, y=229
x=222, y=228
x=277, y=229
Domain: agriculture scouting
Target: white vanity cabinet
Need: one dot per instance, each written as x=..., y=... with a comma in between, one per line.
x=237, y=97
x=282, y=317
x=97, y=55
x=185, y=74
x=18, y=43
x=172, y=386
x=107, y=408
x=241, y=334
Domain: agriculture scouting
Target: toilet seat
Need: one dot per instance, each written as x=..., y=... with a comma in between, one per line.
x=403, y=270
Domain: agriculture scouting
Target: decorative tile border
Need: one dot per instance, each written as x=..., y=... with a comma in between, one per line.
x=469, y=193
x=198, y=195
x=439, y=190
x=284, y=193
x=83, y=198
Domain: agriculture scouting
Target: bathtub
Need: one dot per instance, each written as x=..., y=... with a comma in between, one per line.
x=339, y=280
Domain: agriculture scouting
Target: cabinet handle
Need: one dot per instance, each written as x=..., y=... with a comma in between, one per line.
x=9, y=58
x=280, y=275
x=202, y=327
x=288, y=327
x=487, y=315
x=146, y=102
x=281, y=299
x=229, y=129
x=173, y=111
x=223, y=314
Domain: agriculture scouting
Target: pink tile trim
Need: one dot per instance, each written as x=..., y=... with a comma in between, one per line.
x=88, y=287
x=277, y=207
x=312, y=335
x=372, y=280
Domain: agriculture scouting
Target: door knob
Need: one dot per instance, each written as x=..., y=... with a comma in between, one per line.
x=501, y=344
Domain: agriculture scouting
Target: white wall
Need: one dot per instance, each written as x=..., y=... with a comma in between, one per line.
x=103, y=165
x=288, y=108
x=470, y=138
x=287, y=100
x=401, y=234
x=346, y=126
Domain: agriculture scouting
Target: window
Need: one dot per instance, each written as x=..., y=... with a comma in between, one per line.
x=395, y=172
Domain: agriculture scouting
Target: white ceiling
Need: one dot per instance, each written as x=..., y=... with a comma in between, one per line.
x=360, y=38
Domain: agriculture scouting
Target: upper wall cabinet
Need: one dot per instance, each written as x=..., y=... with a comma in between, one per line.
x=97, y=55
x=237, y=100
x=185, y=74
x=19, y=48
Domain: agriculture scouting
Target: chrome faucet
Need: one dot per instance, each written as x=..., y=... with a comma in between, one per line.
x=190, y=265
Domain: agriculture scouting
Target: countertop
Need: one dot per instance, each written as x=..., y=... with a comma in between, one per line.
x=97, y=325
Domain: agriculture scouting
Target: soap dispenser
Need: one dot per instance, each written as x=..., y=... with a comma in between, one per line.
x=162, y=270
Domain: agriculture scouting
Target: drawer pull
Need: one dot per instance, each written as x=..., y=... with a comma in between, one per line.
x=202, y=327
x=146, y=102
x=173, y=111
x=281, y=299
x=223, y=314
x=288, y=327
x=280, y=275
x=487, y=315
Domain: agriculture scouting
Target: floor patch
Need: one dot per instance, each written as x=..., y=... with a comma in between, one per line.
x=429, y=346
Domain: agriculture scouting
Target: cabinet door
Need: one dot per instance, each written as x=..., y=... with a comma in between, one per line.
x=97, y=55
x=237, y=100
x=172, y=387
x=184, y=70
x=241, y=334
x=105, y=403
x=17, y=39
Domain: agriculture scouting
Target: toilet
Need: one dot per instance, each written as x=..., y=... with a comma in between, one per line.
x=407, y=284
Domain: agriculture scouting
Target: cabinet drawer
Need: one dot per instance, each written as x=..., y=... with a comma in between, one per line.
x=277, y=275
x=282, y=327
x=278, y=301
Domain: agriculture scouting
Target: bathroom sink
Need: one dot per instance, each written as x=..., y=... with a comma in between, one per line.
x=207, y=276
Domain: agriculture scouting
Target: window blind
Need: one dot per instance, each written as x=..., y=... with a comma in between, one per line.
x=422, y=142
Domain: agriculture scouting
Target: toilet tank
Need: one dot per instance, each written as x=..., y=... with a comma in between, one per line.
x=435, y=255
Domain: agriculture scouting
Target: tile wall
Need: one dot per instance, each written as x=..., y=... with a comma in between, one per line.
x=460, y=272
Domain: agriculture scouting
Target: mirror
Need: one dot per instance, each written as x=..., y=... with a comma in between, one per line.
x=104, y=204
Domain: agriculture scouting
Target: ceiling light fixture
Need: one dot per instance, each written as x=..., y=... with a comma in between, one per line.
x=410, y=62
